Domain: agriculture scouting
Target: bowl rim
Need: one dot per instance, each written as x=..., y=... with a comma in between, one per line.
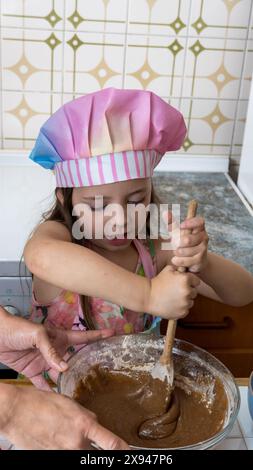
x=214, y=440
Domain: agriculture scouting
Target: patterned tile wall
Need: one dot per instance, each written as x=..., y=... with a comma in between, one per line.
x=196, y=54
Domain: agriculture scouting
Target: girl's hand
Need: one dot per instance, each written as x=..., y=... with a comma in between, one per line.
x=192, y=251
x=32, y=349
x=172, y=293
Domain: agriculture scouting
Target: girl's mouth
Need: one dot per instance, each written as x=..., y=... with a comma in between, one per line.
x=119, y=241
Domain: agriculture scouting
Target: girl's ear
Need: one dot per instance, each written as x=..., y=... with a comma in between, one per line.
x=59, y=196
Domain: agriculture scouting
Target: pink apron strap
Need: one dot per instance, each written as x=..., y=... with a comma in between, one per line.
x=146, y=259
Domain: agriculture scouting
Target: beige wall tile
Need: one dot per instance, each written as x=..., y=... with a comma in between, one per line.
x=155, y=63
x=213, y=68
x=96, y=15
x=159, y=17
x=92, y=61
x=32, y=60
x=197, y=55
x=24, y=114
x=210, y=125
x=220, y=18
x=45, y=14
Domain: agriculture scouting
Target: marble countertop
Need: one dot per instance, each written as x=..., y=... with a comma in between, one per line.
x=228, y=221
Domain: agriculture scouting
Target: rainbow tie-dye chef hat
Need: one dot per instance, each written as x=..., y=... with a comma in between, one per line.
x=108, y=136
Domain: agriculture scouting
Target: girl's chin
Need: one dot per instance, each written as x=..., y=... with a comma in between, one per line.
x=113, y=244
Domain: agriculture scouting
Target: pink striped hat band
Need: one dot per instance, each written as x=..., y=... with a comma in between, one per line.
x=108, y=168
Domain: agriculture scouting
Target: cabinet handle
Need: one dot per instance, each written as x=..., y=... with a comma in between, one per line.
x=223, y=325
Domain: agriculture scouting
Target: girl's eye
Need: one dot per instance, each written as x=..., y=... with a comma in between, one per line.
x=136, y=202
x=103, y=207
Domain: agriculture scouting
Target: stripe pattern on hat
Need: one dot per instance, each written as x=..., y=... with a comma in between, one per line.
x=108, y=168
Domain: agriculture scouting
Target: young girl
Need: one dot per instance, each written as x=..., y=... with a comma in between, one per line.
x=107, y=144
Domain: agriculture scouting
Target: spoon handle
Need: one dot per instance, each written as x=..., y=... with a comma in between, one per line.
x=166, y=357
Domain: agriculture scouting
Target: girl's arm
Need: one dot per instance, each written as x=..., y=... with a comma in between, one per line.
x=226, y=281
x=53, y=258
x=221, y=279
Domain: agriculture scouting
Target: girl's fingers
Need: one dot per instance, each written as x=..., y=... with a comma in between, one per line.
x=194, y=269
x=185, y=252
x=196, y=230
x=185, y=262
x=194, y=280
x=192, y=240
x=195, y=222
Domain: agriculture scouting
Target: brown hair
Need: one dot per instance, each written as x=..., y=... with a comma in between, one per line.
x=63, y=213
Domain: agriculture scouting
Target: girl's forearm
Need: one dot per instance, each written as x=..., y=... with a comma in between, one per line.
x=78, y=269
x=231, y=282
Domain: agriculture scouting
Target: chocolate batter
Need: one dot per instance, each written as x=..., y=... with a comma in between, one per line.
x=133, y=405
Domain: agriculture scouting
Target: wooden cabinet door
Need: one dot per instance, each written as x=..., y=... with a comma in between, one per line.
x=224, y=331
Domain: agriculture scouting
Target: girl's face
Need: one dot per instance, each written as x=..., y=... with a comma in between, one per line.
x=124, y=194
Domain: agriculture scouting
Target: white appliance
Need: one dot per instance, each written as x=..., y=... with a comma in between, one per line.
x=26, y=191
x=245, y=176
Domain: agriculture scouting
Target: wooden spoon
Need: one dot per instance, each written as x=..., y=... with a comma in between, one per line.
x=164, y=369
x=166, y=422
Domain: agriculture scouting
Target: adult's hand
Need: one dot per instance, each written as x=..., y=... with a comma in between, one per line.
x=31, y=349
x=34, y=419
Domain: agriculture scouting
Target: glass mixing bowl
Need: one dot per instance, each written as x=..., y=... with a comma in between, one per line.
x=140, y=352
